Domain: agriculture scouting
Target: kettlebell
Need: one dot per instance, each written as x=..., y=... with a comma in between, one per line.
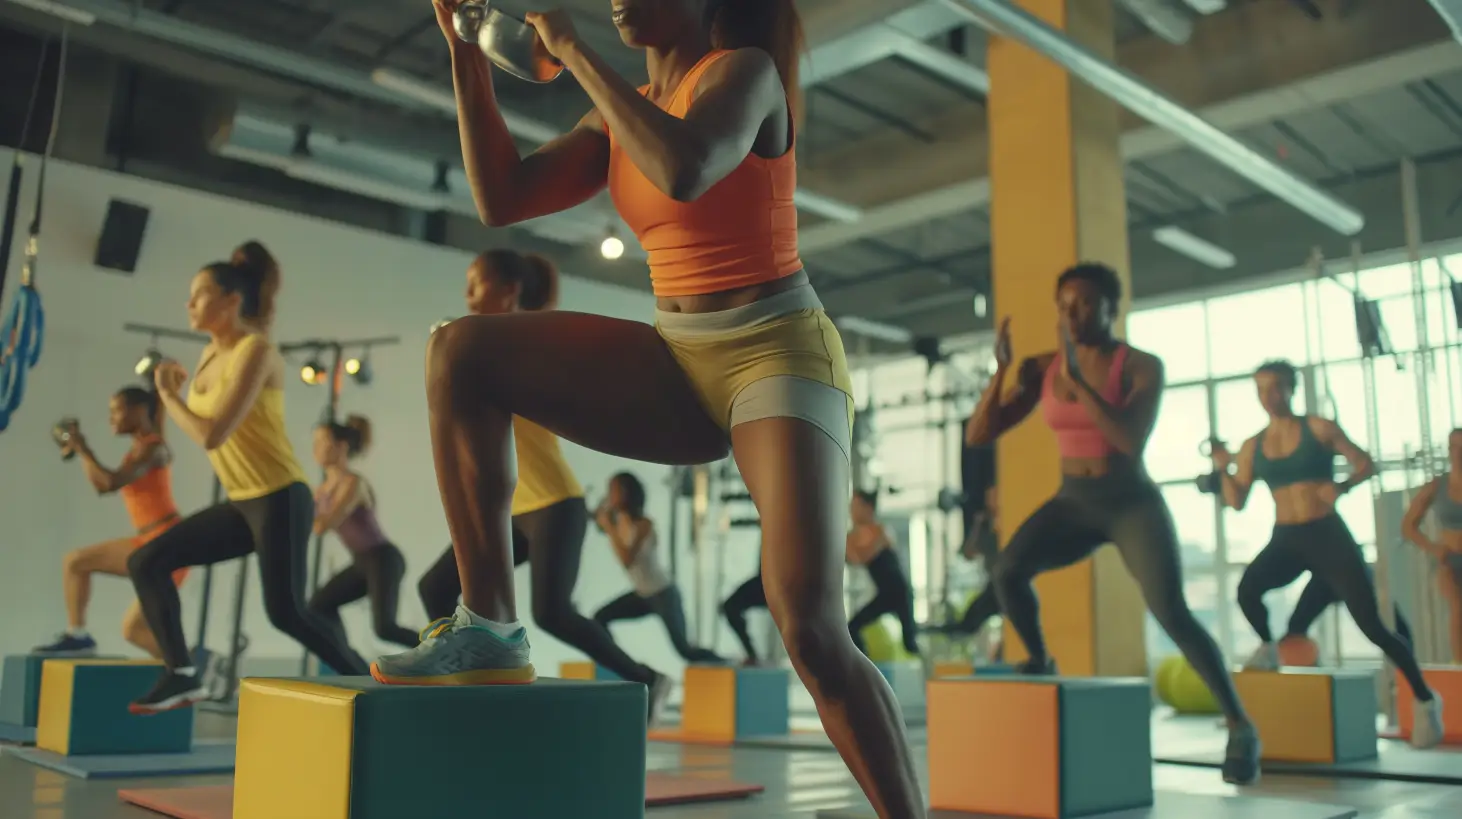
x=506, y=41
x=61, y=434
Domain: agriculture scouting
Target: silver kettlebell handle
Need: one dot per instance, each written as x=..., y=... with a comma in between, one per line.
x=468, y=20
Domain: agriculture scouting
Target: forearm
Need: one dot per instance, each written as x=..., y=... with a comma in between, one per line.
x=101, y=478
x=1235, y=495
x=192, y=424
x=984, y=424
x=1412, y=532
x=489, y=154
x=1360, y=472
x=660, y=145
x=1108, y=420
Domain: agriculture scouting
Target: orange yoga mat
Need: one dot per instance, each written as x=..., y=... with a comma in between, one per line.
x=217, y=801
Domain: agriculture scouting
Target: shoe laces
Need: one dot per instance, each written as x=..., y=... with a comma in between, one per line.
x=435, y=628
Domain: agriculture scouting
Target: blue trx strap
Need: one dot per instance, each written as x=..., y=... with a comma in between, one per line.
x=24, y=326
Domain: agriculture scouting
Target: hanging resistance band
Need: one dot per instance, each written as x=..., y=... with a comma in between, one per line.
x=24, y=326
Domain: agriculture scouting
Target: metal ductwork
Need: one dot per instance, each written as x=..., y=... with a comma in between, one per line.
x=1007, y=20
x=314, y=72
x=902, y=35
x=1165, y=18
x=412, y=181
x=1451, y=12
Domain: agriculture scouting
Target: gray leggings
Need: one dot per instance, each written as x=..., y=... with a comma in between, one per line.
x=1126, y=509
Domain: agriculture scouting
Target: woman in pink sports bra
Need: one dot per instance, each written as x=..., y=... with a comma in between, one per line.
x=1100, y=398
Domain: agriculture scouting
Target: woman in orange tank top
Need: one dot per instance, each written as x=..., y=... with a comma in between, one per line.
x=143, y=481
x=741, y=359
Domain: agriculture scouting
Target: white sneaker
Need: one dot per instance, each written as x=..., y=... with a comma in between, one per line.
x=659, y=696
x=1426, y=723
x=1264, y=658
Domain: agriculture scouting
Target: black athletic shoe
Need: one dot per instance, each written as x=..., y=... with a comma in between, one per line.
x=1241, y=760
x=1037, y=668
x=173, y=690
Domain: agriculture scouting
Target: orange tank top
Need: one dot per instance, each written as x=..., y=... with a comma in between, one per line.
x=741, y=232
x=149, y=499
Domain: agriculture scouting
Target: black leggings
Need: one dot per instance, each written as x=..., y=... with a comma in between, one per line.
x=981, y=609
x=375, y=574
x=1325, y=548
x=551, y=541
x=274, y=528
x=1317, y=597
x=892, y=595
x=749, y=595
x=1126, y=509
x=668, y=606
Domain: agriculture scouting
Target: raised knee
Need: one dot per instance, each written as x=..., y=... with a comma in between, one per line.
x=72, y=563
x=553, y=619
x=138, y=564
x=450, y=364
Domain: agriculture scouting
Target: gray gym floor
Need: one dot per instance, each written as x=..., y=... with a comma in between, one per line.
x=798, y=784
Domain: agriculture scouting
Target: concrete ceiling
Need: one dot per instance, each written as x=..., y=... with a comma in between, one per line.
x=895, y=126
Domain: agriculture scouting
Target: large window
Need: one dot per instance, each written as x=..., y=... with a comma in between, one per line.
x=1210, y=348
x=1251, y=328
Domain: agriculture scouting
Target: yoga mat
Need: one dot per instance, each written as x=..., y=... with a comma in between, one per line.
x=1201, y=743
x=1168, y=805
x=217, y=801
x=678, y=789
x=207, y=802
x=17, y=734
x=205, y=758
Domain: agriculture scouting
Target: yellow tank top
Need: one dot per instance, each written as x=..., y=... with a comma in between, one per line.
x=257, y=459
x=544, y=477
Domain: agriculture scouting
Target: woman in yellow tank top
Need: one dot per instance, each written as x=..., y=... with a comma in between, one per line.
x=235, y=411
x=549, y=517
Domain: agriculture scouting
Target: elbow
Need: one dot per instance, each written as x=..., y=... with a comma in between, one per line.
x=213, y=440
x=687, y=176
x=495, y=217
x=685, y=186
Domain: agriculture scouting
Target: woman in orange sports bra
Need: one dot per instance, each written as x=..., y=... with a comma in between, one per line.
x=144, y=481
x=742, y=359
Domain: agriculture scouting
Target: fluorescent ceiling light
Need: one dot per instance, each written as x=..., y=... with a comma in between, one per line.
x=1199, y=250
x=873, y=329
x=1207, y=6
x=64, y=12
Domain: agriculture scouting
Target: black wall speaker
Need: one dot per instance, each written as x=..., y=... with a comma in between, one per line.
x=121, y=240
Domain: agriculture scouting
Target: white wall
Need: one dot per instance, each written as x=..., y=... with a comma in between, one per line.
x=338, y=282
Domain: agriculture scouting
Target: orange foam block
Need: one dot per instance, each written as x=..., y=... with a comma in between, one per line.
x=945, y=669
x=1048, y=747
x=1446, y=681
x=1312, y=715
x=585, y=670
x=723, y=704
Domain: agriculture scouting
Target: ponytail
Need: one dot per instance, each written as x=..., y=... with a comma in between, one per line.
x=355, y=433
x=253, y=273
x=770, y=25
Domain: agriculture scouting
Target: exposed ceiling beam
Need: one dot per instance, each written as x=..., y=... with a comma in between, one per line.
x=1165, y=18
x=1377, y=49
x=1450, y=11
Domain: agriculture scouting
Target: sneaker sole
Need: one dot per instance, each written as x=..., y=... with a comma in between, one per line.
x=494, y=676
x=173, y=703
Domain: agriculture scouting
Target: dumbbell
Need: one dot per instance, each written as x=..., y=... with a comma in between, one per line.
x=62, y=432
x=1211, y=483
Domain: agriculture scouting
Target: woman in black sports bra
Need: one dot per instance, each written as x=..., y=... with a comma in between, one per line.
x=1295, y=455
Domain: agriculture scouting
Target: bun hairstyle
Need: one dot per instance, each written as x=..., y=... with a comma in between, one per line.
x=355, y=433
x=253, y=273
x=535, y=276
x=147, y=399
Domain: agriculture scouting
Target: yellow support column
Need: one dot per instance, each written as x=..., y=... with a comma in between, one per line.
x=1057, y=197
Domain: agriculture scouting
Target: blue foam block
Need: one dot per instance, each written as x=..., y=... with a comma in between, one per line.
x=763, y=705
x=17, y=734
x=20, y=689
x=907, y=679
x=205, y=758
x=101, y=724
x=603, y=674
x=994, y=668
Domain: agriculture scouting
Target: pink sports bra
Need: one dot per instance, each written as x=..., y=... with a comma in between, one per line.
x=1077, y=435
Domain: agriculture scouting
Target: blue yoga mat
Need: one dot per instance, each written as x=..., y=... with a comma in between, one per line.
x=205, y=758
x=19, y=734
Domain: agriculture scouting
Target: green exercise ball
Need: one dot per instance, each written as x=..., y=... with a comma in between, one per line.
x=1187, y=692
x=882, y=647
x=1163, y=680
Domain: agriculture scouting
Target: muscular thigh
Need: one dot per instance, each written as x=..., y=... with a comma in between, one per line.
x=107, y=557
x=607, y=384
x=1054, y=536
x=798, y=479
